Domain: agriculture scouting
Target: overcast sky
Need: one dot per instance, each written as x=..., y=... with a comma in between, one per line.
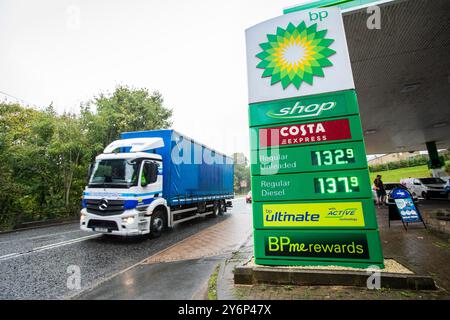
x=192, y=51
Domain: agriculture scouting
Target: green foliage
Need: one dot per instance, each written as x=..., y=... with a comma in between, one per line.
x=241, y=174
x=447, y=167
x=402, y=173
x=212, y=284
x=44, y=157
x=412, y=162
x=125, y=110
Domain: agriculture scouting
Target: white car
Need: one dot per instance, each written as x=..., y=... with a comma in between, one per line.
x=426, y=188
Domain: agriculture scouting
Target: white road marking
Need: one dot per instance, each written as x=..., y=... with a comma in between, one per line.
x=9, y=255
x=41, y=236
x=49, y=246
x=65, y=243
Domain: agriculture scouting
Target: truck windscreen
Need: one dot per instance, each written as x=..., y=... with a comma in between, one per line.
x=116, y=173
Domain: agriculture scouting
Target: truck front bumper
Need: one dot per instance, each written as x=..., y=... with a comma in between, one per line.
x=130, y=223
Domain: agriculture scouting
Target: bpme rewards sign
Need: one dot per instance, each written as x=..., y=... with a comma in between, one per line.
x=312, y=203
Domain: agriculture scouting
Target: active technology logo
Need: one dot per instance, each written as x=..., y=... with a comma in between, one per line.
x=295, y=55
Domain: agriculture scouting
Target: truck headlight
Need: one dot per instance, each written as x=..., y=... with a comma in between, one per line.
x=128, y=220
x=82, y=217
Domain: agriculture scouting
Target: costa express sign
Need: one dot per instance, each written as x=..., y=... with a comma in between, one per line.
x=346, y=129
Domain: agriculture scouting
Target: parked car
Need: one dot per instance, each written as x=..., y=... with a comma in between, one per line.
x=447, y=188
x=426, y=188
x=248, y=197
x=389, y=186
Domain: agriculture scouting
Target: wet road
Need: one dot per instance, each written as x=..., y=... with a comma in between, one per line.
x=421, y=250
x=34, y=263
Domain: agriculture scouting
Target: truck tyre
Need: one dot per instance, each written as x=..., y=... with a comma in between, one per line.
x=157, y=224
x=222, y=207
x=216, y=210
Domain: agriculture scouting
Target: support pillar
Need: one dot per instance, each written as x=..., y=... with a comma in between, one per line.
x=436, y=165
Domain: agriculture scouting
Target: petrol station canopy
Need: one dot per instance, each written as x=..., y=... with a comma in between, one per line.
x=401, y=71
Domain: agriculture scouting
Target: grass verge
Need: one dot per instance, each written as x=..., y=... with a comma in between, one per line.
x=402, y=173
x=212, y=284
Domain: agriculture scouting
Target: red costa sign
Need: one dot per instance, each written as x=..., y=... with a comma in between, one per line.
x=305, y=133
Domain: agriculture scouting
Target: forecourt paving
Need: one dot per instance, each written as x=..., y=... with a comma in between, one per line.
x=310, y=181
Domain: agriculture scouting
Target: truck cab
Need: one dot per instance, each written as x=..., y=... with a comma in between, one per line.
x=124, y=189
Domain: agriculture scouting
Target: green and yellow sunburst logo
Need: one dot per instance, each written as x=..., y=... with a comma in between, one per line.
x=295, y=55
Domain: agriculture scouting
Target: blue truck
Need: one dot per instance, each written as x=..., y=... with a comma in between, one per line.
x=152, y=180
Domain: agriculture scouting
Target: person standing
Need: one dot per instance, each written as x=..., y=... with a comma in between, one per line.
x=381, y=191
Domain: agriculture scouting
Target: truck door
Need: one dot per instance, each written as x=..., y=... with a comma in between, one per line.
x=151, y=179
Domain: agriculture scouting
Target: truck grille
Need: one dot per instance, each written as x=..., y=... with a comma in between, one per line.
x=110, y=225
x=103, y=207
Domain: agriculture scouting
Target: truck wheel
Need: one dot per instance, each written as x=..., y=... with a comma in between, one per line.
x=425, y=196
x=222, y=208
x=157, y=224
x=216, y=210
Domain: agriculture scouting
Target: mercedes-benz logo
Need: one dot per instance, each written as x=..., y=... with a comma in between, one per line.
x=103, y=205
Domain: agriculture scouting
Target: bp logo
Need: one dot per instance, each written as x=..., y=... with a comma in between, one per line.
x=295, y=55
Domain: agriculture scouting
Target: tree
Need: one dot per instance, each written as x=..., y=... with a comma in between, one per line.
x=68, y=150
x=26, y=170
x=126, y=109
x=44, y=157
x=241, y=173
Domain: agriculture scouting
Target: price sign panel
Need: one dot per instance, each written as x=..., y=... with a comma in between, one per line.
x=309, y=186
x=339, y=156
x=312, y=197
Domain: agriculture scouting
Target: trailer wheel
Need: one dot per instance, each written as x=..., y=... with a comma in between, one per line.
x=157, y=224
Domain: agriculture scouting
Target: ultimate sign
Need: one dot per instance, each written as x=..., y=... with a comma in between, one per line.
x=312, y=201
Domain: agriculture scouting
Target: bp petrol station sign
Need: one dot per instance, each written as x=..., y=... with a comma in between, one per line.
x=312, y=200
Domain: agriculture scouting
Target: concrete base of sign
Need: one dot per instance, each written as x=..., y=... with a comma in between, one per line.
x=394, y=276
